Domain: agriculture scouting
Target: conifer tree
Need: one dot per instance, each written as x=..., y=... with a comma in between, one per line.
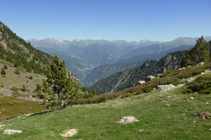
x=59, y=85
x=201, y=52
x=3, y=72
x=93, y=91
x=5, y=66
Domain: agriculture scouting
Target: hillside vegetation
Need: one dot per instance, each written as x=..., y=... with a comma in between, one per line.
x=163, y=114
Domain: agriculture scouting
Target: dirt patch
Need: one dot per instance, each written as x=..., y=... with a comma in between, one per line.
x=204, y=115
x=69, y=133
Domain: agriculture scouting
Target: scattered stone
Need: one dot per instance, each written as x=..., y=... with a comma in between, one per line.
x=27, y=115
x=168, y=96
x=207, y=103
x=133, y=85
x=187, y=81
x=207, y=71
x=210, y=129
x=202, y=73
x=2, y=125
x=69, y=133
x=183, y=114
x=141, y=130
x=204, y=115
x=168, y=104
x=127, y=119
x=192, y=97
x=200, y=64
x=11, y=131
x=149, y=78
x=166, y=87
x=141, y=82
x=180, y=69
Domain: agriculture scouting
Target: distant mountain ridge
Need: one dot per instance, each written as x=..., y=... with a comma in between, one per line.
x=85, y=55
x=124, y=79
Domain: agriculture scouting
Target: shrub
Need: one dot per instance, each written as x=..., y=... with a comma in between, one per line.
x=168, y=73
x=38, y=87
x=3, y=72
x=14, y=89
x=31, y=77
x=1, y=104
x=40, y=95
x=17, y=71
x=16, y=65
x=5, y=66
x=202, y=85
x=24, y=88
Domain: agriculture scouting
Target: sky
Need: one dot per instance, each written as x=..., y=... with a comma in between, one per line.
x=130, y=20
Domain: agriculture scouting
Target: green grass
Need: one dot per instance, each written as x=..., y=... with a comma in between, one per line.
x=12, y=107
x=160, y=118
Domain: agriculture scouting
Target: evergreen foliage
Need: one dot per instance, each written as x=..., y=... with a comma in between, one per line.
x=59, y=85
x=5, y=66
x=201, y=52
x=23, y=88
x=3, y=72
x=21, y=53
x=17, y=71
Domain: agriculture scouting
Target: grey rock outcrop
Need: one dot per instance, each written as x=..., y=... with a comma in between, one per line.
x=166, y=87
x=200, y=64
x=11, y=131
x=149, y=78
x=128, y=119
x=180, y=69
x=141, y=82
x=157, y=75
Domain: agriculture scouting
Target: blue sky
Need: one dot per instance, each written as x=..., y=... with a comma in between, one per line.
x=131, y=20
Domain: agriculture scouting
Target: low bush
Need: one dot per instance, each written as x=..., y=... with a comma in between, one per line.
x=201, y=85
x=14, y=89
x=168, y=73
x=31, y=77
x=17, y=71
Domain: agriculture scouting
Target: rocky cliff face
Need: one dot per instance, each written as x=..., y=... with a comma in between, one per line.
x=124, y=79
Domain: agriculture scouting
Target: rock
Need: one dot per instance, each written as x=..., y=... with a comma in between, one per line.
x=2, y=125
x=207, y=71
x=127, y=119
x=200, y=64
x=149, y=78
x=141, y=82
x=187, y=81
x=11, y=131
x=157, y=75
x=192, y=97
x=202, y=73
x=166, y=87
x=204, y=115
x=69, y=133
x=180, y=69
x=133, y=85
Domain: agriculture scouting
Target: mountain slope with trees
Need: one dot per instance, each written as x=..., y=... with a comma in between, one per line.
x=126, y=78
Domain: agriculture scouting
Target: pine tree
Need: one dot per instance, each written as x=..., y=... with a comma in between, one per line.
x=93, y=91
x=201, y=52
x=60, y=86
x=3, y=72
x=5, y=66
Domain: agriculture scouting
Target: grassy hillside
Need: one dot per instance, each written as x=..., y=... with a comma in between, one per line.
x=163, y=114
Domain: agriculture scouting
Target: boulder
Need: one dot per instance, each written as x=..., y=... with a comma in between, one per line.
x=200, y=64
x=180, y=69
x=133, y=85
x=11, y=131
x=141, y=82
x=187, y=81
x=157, y=75
x=149, y=78
x=166, y=87
x=127, y=119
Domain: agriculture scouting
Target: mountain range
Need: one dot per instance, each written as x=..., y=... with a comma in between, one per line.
x=83, y=56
